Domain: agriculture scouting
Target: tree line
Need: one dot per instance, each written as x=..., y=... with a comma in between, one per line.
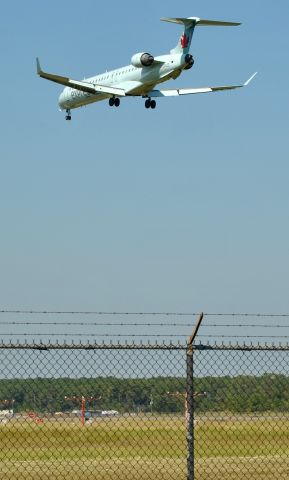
x=240, y=394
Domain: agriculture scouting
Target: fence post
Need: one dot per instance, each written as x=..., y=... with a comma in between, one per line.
x=190, y=402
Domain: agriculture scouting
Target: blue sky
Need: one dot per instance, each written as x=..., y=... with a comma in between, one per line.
x=184, y=208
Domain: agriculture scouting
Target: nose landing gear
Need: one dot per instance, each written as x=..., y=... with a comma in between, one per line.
x=68, y=114
x=150, y=103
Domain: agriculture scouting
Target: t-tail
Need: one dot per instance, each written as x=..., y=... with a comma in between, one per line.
x=190, y=23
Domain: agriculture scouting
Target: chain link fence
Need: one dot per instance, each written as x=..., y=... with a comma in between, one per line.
x=241, y=426
x=144, y=412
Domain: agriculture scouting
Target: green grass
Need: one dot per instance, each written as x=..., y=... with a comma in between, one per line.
x=140, y=448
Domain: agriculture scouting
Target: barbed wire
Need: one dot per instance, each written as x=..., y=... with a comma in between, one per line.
x=151, y=324
x=176, y=314
x=133, y=335
x=90, y=335
x=100, y=324
x=147, y=324
x=67, y=312
x=244, y=336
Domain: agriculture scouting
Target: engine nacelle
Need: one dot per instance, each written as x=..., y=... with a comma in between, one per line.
x=189, y=59
x=140, y=60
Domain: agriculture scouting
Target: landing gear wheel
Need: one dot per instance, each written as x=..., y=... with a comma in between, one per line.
x=68, y=115
x=148, y=103
x=111, y=101
x=153, y=104
x=117, y=102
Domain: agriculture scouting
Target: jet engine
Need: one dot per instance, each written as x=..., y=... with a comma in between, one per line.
x=140, y=60
x=189, y=60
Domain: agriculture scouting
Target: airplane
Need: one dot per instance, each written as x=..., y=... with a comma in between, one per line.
x=140, y=78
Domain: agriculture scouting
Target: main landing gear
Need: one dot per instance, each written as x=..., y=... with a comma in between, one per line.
x=150, y=103
x=114, y=102
x=68, y=114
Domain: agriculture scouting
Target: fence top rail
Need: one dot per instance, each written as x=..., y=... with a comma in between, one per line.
x=44, y=346
x=243, y=347
x=91, y=346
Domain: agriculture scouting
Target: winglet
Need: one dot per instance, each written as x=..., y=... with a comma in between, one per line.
x=39, y=71
x=250, y=79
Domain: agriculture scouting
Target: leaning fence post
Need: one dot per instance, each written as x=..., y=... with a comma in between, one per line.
x=190, y=402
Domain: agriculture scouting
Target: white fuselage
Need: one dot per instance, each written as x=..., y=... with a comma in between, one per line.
x=143, y=79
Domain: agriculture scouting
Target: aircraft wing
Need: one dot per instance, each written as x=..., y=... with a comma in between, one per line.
x=131, y=87
x=79, y=85
x=192, y=91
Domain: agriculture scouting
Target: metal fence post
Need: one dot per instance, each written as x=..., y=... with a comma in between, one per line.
x=190, y=414
x=190, y=402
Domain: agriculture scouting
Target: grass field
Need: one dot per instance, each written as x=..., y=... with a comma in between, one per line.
x=140, y=448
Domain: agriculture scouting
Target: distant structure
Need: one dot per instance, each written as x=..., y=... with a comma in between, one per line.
x=100, y=413
x=5, y=415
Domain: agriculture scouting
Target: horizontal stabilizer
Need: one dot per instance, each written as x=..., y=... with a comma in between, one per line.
x=216, y=23
x=181, y=21
x=200, y=22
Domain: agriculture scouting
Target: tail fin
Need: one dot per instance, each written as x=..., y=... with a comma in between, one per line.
x=190, y=23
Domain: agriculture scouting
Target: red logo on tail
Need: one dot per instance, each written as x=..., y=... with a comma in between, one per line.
x=185, y=41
